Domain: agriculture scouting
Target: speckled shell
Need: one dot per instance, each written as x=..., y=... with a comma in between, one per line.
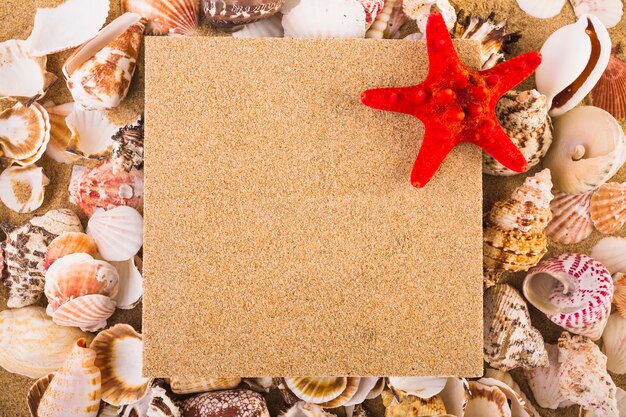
x=229, y=14
x=510, y=341
x=614, y=344
x=67, y=244
x=524, y=117
x=610, y=91
x=571, y=222
x=608, y=207
x=128, y=147
x=514, y=236
x=196, y=385
x=157, y=403
x=411, y=406
x=544, y=381
x=574, y=291
x=240, y=403
x=24, y=250
x=165, y=17
x=583, y=378
x=619, y=295
x=24, y=133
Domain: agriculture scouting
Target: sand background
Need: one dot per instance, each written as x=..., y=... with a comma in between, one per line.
x=17, y=17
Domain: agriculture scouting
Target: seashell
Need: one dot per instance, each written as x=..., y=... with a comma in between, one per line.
x=231, y=14
x=571, y=221
x=31, y=344
x=367, y=387
x=21, y=74
x=157, y=403
x=422, y=387
x=24, y=250
x=510, y=341
x=608, y=207
x=22, y=188
x=610, y=92
x=325, y=19
x=388, y=22
x=67, y=244
x=24, y=133
x=119, y=357
x=377, y=390
x=60, y=133
x=100, y=71
x=101, y=188
x=574, y=291
x=372, y=9
x=614, y=344
x=524, y=117
x=419, y=10
x=271, y=27
x=514, y=232
x=36, y=391
x=608, y=11
x=304, y=409
x=193, y=386
x=517, y=400
x=588, y=148
x=241, y=403
x=166, y=17
x=130, y=289
x=118, y=232
x=89, y=312
x=486, y=401
x=402, y=405
x=582, y=375
x=128, y=147
x=264, y=384
x=75, y=388
x=108, y=410
x=91, y=134
x=619, y=295
x=611, y=252
x=544, y=381
x=541, y=9
x=455, y=395
x=329, y=392
x=574, y=58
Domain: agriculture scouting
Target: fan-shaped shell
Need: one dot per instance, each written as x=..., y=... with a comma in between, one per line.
x=611, y=252
x=24, y=133
x=69, y=243
x=574, y=291
x=22, y=188
x=196, y=385
x=486, y=401
x=608, y=207
x=608, y=11
x=610, y=92
x=130, y=289
x=157, y=403
x=614, y=344
x=89, y=312
x=541, y=9
x=419, y=10
x=619, y=295
x=21, y=74
x=92, y=134
x=323, y=19
x=118, y=232
x=520, y=407
x=165, y=17
x=60, y=133
x=402, y=405
x=587, y=150
x=242, y=403
x=423, y=387
x=571, y=221
x=544, y=381
x=317, y=390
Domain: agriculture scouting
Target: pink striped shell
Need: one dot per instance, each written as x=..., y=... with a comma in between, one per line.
x=89, y=312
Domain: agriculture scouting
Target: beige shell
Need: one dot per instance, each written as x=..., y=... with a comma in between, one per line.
x=24, y=133
x=491, y=34
x=240, y=403
x=544, y=382
x=419, y=10
x=510, y=341
x=67, y=244
x=514, y=236
x=388, y=22
x=157, y=403
x=614, y=344
x=21, y=74
x=486, y=401
x=520, y=407
x=571, y=222
x=423, y=387
x=318, y=390
x=118, y=232
x=608, y=11
x=541, y=9
x=611, y=252
x=608, y=207
x=91, y=134
x=196, y=385
x=60, y=133
x=165, y=17
x=22, y=188
x=403, y=405
x=619, y=294
x=35, y=393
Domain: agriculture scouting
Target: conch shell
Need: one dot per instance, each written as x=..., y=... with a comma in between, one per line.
x=196, y=385
x=24, y=133
x=22, y=188
x=608, y=207
x=388, y=22
x=571, y=221
x=514, y=232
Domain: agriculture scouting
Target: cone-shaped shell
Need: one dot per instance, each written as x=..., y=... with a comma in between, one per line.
x=21, y=74
x=22, y=188
x=571, y=222
x=388, y=22
x=67, y=244
x=610, y=92
x=24, y=133
x=240, y=403
x=611, y=252
x=510, y=341
x=514, y=232
x=118, y=232
x=614, y=344
x=165, y=17
x=196, y=385
x=608, y=207
x=574, y=291
x=544, y=381
x=35, y=393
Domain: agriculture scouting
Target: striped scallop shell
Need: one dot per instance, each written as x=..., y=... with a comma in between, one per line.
x=608, y=11
x=166, y=17
x=196, y=385
x=610, y=91
x=486, y=400
x=611, y=251
x=571, y=221
x=608, y=207
x=323, y=390
x=67, y=244
x=619, y=295
x=117, y=232
x=544, y=381
x=614, y=344
x=89, y=312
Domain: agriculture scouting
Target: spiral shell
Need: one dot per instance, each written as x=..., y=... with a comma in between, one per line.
x=196, y=385
x=388, y=22
x=608, y=207
x=571, y=222
x=166, y=17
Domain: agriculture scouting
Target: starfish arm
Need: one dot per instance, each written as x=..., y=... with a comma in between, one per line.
x=441, y=52
x=499, y=145
x=510, y=73
x=435, y=147
x=399, y=100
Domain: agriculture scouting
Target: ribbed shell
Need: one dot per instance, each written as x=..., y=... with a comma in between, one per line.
x=491, y=34
x=165, y=17
x=614, y=344
x=619, y=296
x=118, y=232
x=24, y=133
x=610, y=92
x=196, y=385
x=67, y=244
x=608, y=207
x=544, y=381
x=410, y=405
x=317, y=390
x=486, y=401
x=240, y=403
x=571, y=222
x=89, y=312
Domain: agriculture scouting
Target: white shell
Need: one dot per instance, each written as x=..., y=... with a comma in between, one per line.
x=544, y=381
x=92, y=133
x=566, y=54
x=89, y=312
x=588, y=148
x=21, y=74
x=324, y=19
x=366, y=385
x=131, y=283
x=541, y=9
x=117, y=232
x=419, y=10
x=614, y=344
x=30, y=179
x=60, y=133
x=266, y=28
x=423, y=387
x=611, y=252
x=24, y=133
x=608, y=11
x=66, y=26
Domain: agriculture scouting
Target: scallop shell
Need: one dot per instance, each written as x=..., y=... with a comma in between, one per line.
x=35, y=393
x=455, y=395
x=128, y=147
x=619, y=295
x=66, y=26
x=510, y=341
x=574, y=58
x=131, y=283
x=614, y=344
x=22, y=188
x=571, y=221
x=118, y=232
x=544, y=381
x=193, y=385
x=267, y=28
x=486, y=401
x=610, y=92
x=520, y=407
x=324, y=19
x=21, y=74
x=541, y=9
x=29, y=242
x=91, y=134
x=608, y=207
x=60, y=133
x=317, y=390
x=524, y=117
x=69, y=243
x=608, y=11
x=75, y=389
x=31, y=344
x=240, y=403
x=582, y=375
x=419, y=10
x=119, y=357
x=611, y=252
x=166, y=17
x=422, y=387
x=89, y=312
x=99, y=72
x=231, y=14
x=588, y=149
x=24, y=133
x=100, y=187
x=574, y=291
x=157, y=403
x=388, y=22
x=402, y=405
x=514, y=232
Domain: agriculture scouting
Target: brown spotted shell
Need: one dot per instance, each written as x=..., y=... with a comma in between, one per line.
x=608, y=207
x=240, y=403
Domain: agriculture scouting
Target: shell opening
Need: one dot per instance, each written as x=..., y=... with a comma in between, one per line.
x=82, y=343
x=579, y=153
x=539, y=288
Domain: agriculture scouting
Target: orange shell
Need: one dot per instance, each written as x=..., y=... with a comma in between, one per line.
x=619, y=294
x=608, y=207
x=571, y=221
x=68, y=243
x=610, y=91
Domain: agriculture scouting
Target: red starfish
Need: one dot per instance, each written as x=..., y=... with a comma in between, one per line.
x=456, y=104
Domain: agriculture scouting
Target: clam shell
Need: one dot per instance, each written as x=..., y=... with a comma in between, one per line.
x=231, y=14
x=619, y=296
x=118, y=232
x=388, y=22
x=571, y=221
x=324, y=19
x=24, y=133
x=99, y=72
x=610, y=92
x=128, y=147
x=611, y=252
x=60, y=133
x=100, y=187
x=587, y=150
x=119, y=357
x=608, y=207
x=422, y=387
x=130, y=289
x=21, y=74
x=31, y=344
x=166, y=17
x=419, y=10
x=89, y=312
x=317, y=390
x=22, y=188
x=608, y=11
x=67, y=244
x=544, y=381
x=486, y=401
x=241, y=403
x=193, y=385
x=541, y=9
x=563, y=75
x=35, y=393
x=614, y=344
x=267, y=28
x=574, y=291
x=91, y=134
x=510, y=341
x=66, y=26
x=75, y=389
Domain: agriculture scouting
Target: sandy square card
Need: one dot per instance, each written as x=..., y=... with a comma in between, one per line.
x=282, y=234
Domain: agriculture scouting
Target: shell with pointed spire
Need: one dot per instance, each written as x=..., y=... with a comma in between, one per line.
x=388, y=22
x=196, y=385
x=571, y=221
x=166, y=17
